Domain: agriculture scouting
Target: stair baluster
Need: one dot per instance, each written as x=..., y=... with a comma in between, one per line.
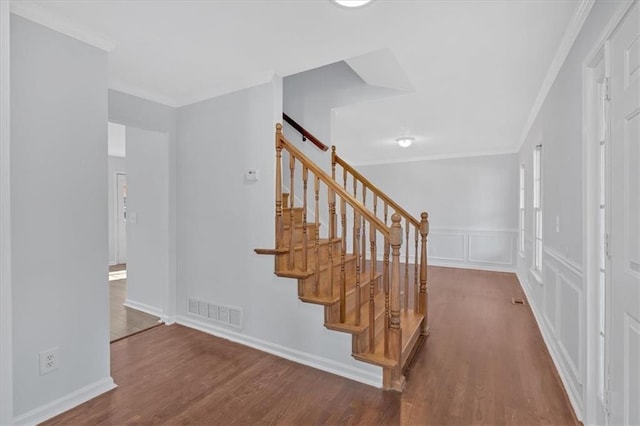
x=406, y=267
x=358, y=302
x=385, y=275
x=279, y=220
x=364, y=228
x=343, y=251
x=424, y=231
x=305, y=240
x=332, y=236
x=372, y=291
x=416, y=273
x=292, y=223
x=316, y=247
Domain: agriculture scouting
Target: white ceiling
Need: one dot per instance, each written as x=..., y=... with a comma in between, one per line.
x=475, y=67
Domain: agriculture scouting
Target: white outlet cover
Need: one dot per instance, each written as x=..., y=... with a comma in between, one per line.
x=251, y=175
x=49, y=361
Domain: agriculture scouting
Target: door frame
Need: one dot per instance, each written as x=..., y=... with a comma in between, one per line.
x=119, y=223
x=6, y=315
x=599, y=52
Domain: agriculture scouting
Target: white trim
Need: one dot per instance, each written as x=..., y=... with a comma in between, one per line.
x=6, y=314
x=130, y=89
x=536, y=275
x=566, y=262
x=243, y=83
x=65, y=403
x=576, y=370
x=311, y=360
x=599, y=52
x=236, y=84
x=40, y=15
x=493, y=262
x=143, y=307
x=574, y=396
x=560, y=56
x=445, y=229
x=490, y=268
x=434, y=157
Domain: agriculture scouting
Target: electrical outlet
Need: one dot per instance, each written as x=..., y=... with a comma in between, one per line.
x=49, y=361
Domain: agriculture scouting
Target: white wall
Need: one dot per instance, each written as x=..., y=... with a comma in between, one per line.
x=147, y=166
x=6, y=316
x=147, y=115
x=59, y=217
x=558, y=299
x=311, y=96
x=222, y=218
x=472, y=204
x=115, y=165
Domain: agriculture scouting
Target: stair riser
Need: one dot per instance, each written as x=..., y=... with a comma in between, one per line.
x=298, y=234
x=360, y=341
x=323, y=254
x=324, y=287
x=297, y=215
x=364, y=294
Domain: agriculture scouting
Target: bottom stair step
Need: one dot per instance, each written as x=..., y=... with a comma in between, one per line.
x=411, y=325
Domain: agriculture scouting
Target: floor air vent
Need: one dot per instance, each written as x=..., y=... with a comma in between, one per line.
x=517, y=301
x=222, y=314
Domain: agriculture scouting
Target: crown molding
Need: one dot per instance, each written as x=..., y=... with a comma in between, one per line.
x=433, y=157
x=560, y=56
x=235, y=85
x=133, y=90
x=230, y=86
x=39, y=15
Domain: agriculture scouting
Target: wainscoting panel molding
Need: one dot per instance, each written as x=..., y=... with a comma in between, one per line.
x=559, y=309
x=476, y=248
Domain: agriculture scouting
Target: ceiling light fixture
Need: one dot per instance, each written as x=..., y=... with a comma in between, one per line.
x=405, y=141
x=351, y=3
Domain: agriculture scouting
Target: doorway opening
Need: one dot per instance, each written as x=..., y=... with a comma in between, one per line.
x=124, y=320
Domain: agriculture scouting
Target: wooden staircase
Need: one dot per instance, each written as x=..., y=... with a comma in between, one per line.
x=337, y=265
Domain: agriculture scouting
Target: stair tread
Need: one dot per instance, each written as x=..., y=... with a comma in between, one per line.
x=410, y=325
x=327, y=300
x=349, y=324
x=287, y=226
x=312, y=242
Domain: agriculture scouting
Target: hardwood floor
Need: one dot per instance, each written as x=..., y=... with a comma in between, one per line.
x=125, y=321
x=484, y=363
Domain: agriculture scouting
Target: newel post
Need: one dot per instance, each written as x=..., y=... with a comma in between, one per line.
x=423, y=298
x=279, y=221
x=395, y=329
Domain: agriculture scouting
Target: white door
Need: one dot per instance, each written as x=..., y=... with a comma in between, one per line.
x=121, y=217
x=624, y=210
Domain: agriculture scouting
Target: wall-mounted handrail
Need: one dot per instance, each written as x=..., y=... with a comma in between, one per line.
x=331, y=183
x=304, y=132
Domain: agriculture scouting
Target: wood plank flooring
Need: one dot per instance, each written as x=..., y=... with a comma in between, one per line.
x=484, y=363
x=125, y=321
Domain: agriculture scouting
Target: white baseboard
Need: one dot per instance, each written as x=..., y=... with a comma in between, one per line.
x=67, y=402
x=151, y=310
x=458, y=264
x=311, y=360
x=480, y=267
x=553, y=351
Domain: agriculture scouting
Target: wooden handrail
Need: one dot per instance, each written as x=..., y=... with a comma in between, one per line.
x=304, y=132
x=332, y=184
x=415, y=222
